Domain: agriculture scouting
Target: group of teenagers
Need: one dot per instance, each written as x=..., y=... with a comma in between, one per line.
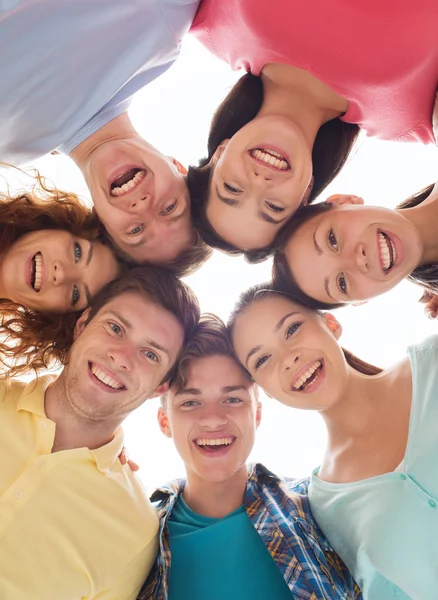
x=98, y=293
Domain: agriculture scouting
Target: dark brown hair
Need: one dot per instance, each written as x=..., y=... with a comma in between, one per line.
x=261, y=291
x=283, y=280
x=29, y=339
x=333, y=144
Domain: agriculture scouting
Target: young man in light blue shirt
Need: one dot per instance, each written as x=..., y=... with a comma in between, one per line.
x=69, y=70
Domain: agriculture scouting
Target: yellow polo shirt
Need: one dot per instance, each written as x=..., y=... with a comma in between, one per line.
x=74, y=524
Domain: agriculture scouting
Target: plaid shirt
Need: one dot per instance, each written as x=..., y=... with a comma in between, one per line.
x=279, y=510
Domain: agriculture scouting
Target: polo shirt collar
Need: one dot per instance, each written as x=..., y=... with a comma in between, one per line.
x=106, y=456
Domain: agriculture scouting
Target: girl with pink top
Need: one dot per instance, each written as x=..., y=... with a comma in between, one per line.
x=317, y=73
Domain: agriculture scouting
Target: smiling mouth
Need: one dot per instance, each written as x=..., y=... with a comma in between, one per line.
x=105, y=378
x=127, y=182
x=309, y=377
x=387, y=251
x=270, y=158
x=213, y=445
x=36, y=271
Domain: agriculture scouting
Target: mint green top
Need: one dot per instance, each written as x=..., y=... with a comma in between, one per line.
x=385, y=528
x=220, y=559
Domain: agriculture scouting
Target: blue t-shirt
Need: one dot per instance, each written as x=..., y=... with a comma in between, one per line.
x=220, y=559
x=385, y=528
x=68, y=67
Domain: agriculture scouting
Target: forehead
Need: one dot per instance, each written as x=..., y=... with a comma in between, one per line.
x=216, y=371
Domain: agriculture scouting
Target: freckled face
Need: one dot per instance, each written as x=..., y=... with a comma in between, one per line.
x=353, y=252
x=213, y=420
x=260, y=179
x=291, y=353
x=55, y=271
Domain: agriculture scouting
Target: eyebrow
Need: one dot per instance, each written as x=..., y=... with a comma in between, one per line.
x=229, y=201
x=136, y=244
x=225, y=390
x=326, y=287
x=190, y=391
x=277, y=327
x=269, y=219
x=317, y=246
x=87, y=262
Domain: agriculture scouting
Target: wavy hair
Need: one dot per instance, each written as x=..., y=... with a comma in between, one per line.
x=333, y=144
x=423, y=275
x=261, y=291
x=30, y=340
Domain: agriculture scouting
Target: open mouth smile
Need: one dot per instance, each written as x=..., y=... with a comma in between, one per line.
x=309, y=377
x=36, y=271
x=105, y=379
x=128, y=181
x=215, y=445
x=270, y=159
x=387, y=251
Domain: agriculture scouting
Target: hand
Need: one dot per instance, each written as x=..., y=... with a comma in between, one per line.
x=123, y=457
x=430, y=301
x=435, y=119
x=340, y=199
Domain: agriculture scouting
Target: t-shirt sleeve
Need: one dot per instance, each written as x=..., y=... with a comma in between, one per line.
x=128, y=581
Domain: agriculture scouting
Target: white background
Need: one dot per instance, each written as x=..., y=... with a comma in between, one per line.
x=173, y=113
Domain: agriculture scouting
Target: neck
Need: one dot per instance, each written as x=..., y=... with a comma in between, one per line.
x=73, y=430
x=117, y=129
x=215, y=499
x=424, y=217
x=300, y=97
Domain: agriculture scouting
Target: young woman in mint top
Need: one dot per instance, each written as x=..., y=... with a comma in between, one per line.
x=375, y=496
x=317, y=73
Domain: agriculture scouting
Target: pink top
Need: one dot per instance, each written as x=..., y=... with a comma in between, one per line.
x=382, y=55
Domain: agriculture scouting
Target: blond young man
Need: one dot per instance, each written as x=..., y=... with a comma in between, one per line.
x=74, y=523
x=231, y=530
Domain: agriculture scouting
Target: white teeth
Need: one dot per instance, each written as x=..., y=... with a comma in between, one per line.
x=385, y=255
x=105, y=378
x=271, y=158
x=129, y=185
x=305, y=376
x=38, y=279
x=226, y=441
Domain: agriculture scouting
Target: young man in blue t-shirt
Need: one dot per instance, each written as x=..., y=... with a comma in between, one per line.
x=231, y=530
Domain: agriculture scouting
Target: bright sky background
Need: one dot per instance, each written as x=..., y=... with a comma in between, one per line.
x=173, y=113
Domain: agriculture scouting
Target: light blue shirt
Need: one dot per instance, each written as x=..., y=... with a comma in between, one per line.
x=220, y=559
x=385, y=528
x=68, y=67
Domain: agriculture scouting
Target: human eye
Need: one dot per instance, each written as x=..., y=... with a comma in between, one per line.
x=342, y=283
x=169, y=209
x=273, y=207
x=77, y=251
x=189, y=404
x=232, y=189
x=151, y=355
x=233, y=400
x=75, y=295
x=115, y=328
x=261, y=361
x=136, y=230
x=332, y=240
x=293, y=328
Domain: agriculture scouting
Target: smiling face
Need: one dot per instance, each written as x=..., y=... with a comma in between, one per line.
x=213, y=420
x=55, y=271
x=261, y=177
x=353, y=252
x=120, y=357
x=141, y=197
x=292, y=353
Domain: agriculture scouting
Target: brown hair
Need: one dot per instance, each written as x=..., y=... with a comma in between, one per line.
x=283, y=280
x=209, y=338
x=333, y=144
x=187, y=262
x=29, y=339
x=261, y=291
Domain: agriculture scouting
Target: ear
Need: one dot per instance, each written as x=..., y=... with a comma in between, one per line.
x=163, y=422
x=340, y=199
x=160, y=390
x=219, y=151
x=307, y=193
x=333, y=324
x=358, y=302
x=179, y=167
x=81, y=323
x=258, y=413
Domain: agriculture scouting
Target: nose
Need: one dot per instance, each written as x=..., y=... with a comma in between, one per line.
x=260, y=177
x=213, y=418
x=361, y=258
x=137, y=205
x=61, y=274
x=120, y=357
x=290, y=360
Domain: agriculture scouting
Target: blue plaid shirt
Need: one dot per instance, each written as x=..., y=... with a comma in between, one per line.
x=279, y=510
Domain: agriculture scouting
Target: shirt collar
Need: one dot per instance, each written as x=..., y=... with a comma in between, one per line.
x=106, y=456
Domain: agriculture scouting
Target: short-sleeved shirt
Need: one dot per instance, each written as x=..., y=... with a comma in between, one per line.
x=74, y=524
x=385, y=528
x=68, y=67
x=381, y=55
x=220, y=558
